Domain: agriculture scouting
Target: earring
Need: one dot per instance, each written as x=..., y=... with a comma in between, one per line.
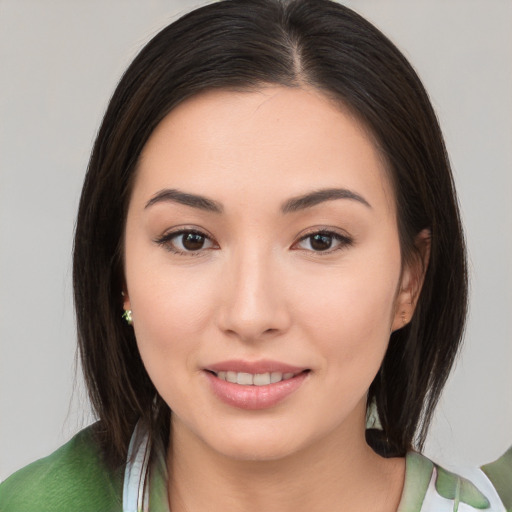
x=127, y=315
x=404, y=319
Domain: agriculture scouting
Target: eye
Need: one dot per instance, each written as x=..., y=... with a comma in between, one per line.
x=186, y=241
x=323, y=241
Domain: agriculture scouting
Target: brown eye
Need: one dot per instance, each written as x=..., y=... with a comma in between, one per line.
x=324, y=241
x=186, y=242
x=192, y=241
x=320, y=242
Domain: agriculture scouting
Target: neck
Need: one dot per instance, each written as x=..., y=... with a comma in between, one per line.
x=339, y=472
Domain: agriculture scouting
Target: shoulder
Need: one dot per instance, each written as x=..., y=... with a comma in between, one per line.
x=71, y=478
x=499, y=473
x=429, y=487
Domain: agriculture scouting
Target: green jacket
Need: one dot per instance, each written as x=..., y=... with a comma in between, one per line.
x=73, y=478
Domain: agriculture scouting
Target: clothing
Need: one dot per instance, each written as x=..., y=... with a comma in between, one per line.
x=70, y=479
x=74, y=478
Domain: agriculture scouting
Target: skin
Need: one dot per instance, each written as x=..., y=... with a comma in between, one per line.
x=257, y=289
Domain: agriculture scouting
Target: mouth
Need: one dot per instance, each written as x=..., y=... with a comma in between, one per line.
x=254, y=385
x=255, y=379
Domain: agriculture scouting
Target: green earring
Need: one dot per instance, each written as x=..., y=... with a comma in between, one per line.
x=127, y=315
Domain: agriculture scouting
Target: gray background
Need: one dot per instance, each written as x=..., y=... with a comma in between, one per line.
x=59, y=63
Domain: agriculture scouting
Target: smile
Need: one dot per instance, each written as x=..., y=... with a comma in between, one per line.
x=256, y=379
x=254, y=385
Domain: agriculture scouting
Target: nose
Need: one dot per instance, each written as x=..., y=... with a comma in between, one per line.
x=252, y=304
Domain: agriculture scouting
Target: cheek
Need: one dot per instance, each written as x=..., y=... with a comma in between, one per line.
x=349, y=315
x=171, y=309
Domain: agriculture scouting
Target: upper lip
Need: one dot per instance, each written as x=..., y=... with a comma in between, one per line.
x=254, y=367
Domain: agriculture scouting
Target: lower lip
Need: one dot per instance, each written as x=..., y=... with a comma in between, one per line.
x=254, y=397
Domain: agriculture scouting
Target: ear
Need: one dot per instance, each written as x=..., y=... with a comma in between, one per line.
x=126, y=299
x=411, y=281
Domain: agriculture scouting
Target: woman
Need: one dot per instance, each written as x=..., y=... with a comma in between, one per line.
x=270, y=203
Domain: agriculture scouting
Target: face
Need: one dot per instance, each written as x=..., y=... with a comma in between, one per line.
x=263, y=269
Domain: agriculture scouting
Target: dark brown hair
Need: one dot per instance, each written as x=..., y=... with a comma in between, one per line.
x=244, y=45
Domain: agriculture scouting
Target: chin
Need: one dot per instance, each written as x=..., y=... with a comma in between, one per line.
x=259, y=442
x=257, y=450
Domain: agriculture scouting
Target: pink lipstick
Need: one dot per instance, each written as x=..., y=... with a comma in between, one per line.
x=254, y=385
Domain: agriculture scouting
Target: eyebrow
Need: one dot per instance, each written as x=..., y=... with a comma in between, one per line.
x=291, y=205
x=195, y=201
x=319, y=196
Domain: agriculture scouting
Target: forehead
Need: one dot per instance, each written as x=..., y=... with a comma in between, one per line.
x=290, y=140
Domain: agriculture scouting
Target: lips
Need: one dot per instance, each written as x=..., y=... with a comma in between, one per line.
x=254, y=367
x=254, y=385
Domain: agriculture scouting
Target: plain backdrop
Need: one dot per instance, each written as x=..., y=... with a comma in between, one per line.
x=59, y=63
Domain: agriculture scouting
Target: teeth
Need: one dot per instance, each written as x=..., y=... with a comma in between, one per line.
x=261, y=379
x=245, y=379
x=258, y=379
x=275, y=377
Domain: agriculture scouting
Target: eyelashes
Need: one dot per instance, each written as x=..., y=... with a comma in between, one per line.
x=193, y=242
x=189, y=242
x=324, y=241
